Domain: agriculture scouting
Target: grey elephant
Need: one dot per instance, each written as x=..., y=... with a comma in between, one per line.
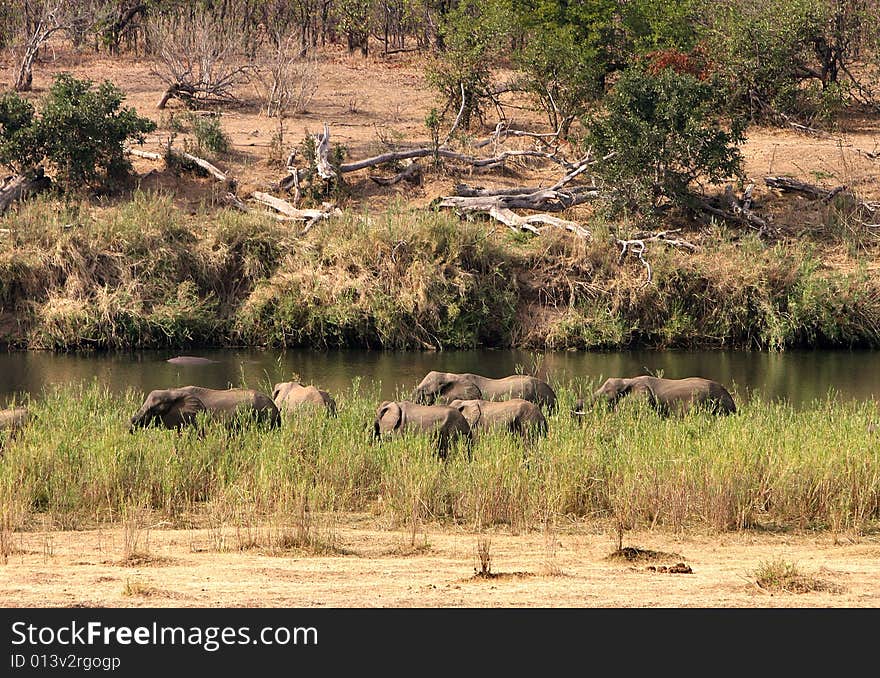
x=395, y=417
x=291, y=396
x=669, y=396
x=449, y=386
x=190, y=360
x=515, y=415
x=12, y=420
x=178, y=407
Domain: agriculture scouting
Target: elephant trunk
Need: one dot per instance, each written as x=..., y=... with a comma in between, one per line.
x=420, y=396
x=141, y=419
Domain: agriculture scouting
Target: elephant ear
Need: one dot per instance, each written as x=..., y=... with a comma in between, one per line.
x=276, y=391
x=472, y=412
x=184, y=409
x=642, y=388
x=457, y=390
x=389, y=413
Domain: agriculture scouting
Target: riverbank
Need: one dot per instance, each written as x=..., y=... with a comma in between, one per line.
x=142, y=274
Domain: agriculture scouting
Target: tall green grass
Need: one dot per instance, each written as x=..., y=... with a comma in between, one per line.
x=769, y=466
x=144, y=274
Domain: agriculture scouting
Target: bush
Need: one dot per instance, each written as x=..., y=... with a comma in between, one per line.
x=665, y=133
x=561, y=73
x=18, y=134
x=209, y=134
x=81, y=131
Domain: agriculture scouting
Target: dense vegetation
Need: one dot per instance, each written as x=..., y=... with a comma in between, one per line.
x=143, y=274
x=769, y=465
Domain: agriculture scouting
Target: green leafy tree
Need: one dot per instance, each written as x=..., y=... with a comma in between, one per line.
x=663, y=133
x=81, y=131
x=20, y=147
x=562, y=74
x=474, y=36
x=651, y=25
x=84, y=129
x=355, y=20
x=789, y=57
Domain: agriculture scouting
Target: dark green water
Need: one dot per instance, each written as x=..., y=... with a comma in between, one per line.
x=798, y=376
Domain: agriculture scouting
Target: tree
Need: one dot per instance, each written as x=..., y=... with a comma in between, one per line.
x=473, y=37
x=41, y=20
x=660, y=132
x=81, y=131
x=561, y=73
x=770, y=52
x=354, y=17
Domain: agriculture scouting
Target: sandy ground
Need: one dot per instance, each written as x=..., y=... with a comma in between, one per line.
x=376, y=567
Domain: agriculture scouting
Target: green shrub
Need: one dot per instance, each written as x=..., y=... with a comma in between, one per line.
x=18, y=133
x=473, y=33
x=664, y=131
x=209, y=134
x=81, y=132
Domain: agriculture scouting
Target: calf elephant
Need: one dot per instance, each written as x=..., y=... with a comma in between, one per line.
x=449, y=386
x=402, y=416
x=179, y=407
x=515, y=415
x=292, y=396
x=669, y=396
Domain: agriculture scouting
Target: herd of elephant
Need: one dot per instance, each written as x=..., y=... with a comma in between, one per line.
x=447, y=405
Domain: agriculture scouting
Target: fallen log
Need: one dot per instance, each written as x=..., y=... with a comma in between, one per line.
x=205, y=165
x=465, y=191
x=412, y=174
x=294, y=213
x=149, y=155
x=20, y=186
x=742, y=216
x=528, y=223
x=210, y=169
x=539, y=201
x=791, y=185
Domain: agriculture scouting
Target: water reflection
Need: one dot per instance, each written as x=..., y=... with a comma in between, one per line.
x=799, y=376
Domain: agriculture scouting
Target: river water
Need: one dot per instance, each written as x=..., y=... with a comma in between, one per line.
x=797, y=376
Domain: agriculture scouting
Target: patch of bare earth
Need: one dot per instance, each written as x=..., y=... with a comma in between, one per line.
x=85, y=568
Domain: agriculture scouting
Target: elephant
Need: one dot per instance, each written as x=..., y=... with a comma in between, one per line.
x=13, y=420
x=395, y=417
x=292, y=396
x=449, y=386
x=516, y=415
x=669, y=395
x=190, y=360
x=178, y=407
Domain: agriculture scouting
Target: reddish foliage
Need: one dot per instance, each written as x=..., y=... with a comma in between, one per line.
x=695, y=62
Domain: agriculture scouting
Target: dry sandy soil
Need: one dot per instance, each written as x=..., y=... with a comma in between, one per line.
x=373, y=566
x=367, y=104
